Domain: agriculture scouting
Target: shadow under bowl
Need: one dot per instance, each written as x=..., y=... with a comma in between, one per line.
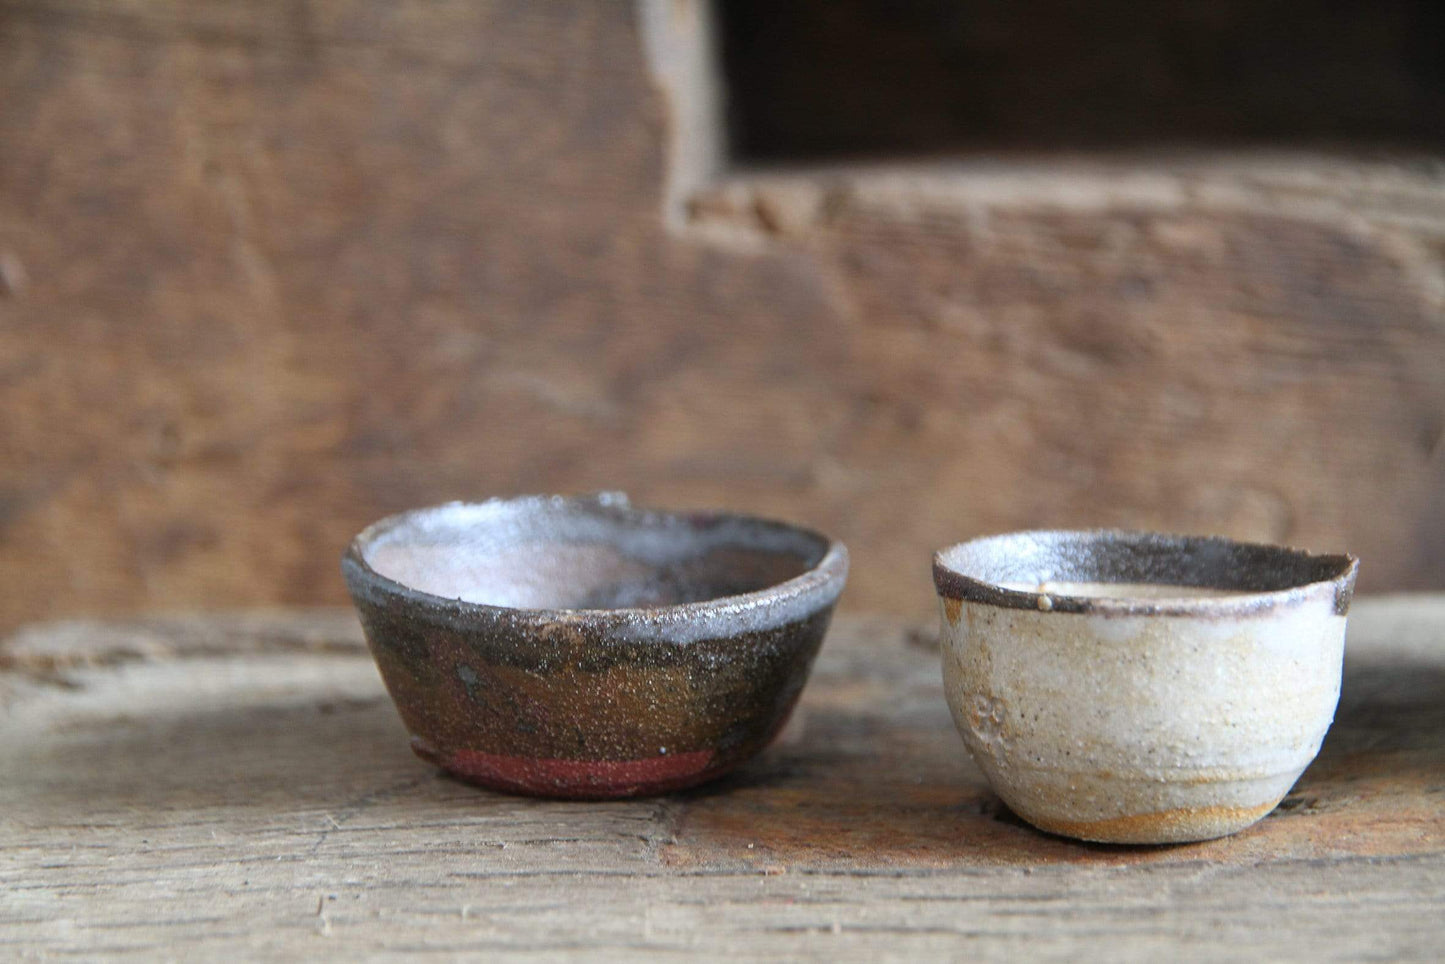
x=1129, y=687
x=582, y=648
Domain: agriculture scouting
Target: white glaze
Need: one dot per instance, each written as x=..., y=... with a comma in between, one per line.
x=538, y=557
x=1142, y=728
x=1122, y=590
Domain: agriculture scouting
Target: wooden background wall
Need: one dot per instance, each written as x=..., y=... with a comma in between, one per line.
x=270, y=270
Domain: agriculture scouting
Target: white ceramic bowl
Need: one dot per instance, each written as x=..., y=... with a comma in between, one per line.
x=1141, y=688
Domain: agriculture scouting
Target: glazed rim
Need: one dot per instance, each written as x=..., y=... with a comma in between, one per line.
x=1257, y=576
x=815, y=588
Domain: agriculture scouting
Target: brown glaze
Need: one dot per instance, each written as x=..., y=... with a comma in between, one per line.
x=592, y=702
x=1266, y=576
x=951, y=610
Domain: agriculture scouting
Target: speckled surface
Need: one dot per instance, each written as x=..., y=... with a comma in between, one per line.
x=994, y=568
x=1146, y=718
x=583, y=648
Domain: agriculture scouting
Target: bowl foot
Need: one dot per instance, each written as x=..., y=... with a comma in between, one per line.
x=1180, y=825
x=574, y=779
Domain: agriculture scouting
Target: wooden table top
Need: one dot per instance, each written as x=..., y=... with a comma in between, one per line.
x=239, y=785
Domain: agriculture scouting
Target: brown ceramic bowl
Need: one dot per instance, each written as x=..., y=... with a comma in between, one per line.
x=578, y=647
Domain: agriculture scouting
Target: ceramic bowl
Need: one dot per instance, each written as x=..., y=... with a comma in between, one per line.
x=1140, y=688
x=579, y=647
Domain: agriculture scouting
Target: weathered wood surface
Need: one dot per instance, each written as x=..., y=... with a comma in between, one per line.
x=230, y=787
x=270, y=270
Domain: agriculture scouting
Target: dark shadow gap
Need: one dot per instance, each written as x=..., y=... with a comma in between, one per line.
x=810, y=80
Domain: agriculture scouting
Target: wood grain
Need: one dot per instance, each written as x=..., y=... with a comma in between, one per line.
x=212, y=787
x=269, y=271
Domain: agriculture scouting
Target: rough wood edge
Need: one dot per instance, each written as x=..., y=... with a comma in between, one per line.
x=45, y=649
x=712, y=198
x=1403, y=622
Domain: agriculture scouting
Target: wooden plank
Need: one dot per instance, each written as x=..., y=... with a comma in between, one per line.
x=209, y=787
x=271, y=270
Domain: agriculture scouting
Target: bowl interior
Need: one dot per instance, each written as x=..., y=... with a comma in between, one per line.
x=1137, y=565
x=542, y=553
